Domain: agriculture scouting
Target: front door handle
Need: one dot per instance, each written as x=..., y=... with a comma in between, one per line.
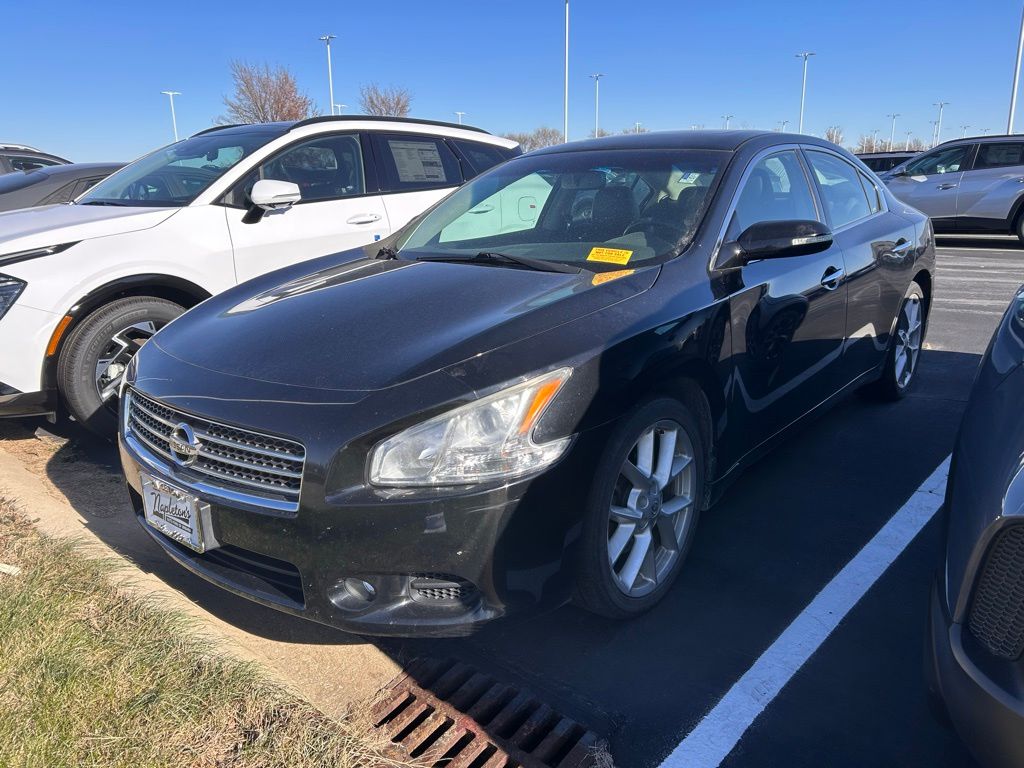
x=832, y=277
x=363, y=218
x=902, y=246
x=947, y=185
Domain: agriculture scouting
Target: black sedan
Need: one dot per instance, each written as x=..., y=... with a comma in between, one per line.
x=530, y=393
x=52, y=184
x=976, y=660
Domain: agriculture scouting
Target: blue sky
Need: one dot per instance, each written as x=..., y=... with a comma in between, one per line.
x=84, y=79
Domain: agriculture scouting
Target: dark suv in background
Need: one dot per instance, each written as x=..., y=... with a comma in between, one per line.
x=20, y=157
x=973, y=185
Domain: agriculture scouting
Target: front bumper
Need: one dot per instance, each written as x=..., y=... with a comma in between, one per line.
x=988, y=715
x=15, y=403
x=440, y=565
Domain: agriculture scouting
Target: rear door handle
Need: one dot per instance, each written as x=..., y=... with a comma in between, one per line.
x=363, y=218
x=832, y=277
x=946, y=186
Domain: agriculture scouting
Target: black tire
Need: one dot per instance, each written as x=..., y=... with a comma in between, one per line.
x=1018, y=227
x=80, y=356
x=891, y=386
x=597, y=588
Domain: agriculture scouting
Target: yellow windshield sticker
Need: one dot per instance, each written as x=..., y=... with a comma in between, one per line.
x=610, y=255
x=607, y=277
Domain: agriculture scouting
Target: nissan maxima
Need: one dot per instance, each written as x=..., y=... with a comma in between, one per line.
x=976, y=641
x=531, y=392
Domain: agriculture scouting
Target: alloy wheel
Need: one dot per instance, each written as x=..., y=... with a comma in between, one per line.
x=909, y=331
x=114, y=359
x=652, y=508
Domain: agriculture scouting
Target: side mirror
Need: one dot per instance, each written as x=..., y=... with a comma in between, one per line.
x=775, y=240
x=271, y=194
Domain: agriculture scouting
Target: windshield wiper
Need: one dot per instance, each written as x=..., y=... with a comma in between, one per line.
x=492, y=257
x=102, y=202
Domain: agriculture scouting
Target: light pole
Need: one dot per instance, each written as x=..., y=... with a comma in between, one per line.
x=638, y=126
x=330, y=75
x=565, y=107
x=892, y=129
x=340, y=107
x=727, y=118
x=964, y=128
x=460, y=115
x=174, y=120
x=933, y=123
x=803, y=88
x=874, y=140
x=782, y=125
x=907, y=148
x=597, y=103
x=1016, y=77
x=984, y=131
x=938, y=123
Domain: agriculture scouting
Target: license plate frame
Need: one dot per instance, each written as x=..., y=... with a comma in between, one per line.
x=177, y=514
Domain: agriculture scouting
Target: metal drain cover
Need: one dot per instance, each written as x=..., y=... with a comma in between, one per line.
x=445, y=713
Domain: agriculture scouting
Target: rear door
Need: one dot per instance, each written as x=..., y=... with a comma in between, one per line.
x=931, y=182
x=415, y=172
x=991, y=186
x=340, y=207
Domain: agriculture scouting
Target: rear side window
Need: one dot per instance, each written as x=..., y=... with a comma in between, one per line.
x=874, y=196
x=482, y=156
x=28, y=163
x=409, y=162
x=840, y=187
x=999, y=155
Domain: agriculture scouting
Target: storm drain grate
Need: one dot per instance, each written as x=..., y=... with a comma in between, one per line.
x=446, y=713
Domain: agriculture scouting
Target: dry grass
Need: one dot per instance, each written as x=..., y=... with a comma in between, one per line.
x=94, y=675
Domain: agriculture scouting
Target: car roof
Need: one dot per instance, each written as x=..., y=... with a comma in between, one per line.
x=988, y=138
x=729, y=141
x=76, y=169
x=894, y=153
x=281, y=128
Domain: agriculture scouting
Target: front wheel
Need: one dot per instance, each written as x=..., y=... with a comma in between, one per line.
x=94, y=359
x=900, y=371
x=642, y=510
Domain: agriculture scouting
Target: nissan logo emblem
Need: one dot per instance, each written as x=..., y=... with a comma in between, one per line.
x=184, y=445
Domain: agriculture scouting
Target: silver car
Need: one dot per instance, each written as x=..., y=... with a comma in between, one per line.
x=968, y=185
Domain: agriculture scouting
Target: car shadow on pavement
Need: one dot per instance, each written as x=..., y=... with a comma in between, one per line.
x=980, y=242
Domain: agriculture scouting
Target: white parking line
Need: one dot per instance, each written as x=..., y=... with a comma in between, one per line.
x=715, y=736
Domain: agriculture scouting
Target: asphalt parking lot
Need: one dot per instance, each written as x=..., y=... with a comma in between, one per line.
x=761, y=556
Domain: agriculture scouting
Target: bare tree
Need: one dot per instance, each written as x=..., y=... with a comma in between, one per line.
x=600, y=134
x=868, y=143
x=834, y=134
x=537, y=138
x=635, y=129
x=389, y=101
x=265, y=95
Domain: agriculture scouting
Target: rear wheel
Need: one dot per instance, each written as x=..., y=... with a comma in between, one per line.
x=642, y=510
x=95, y=356
x=900, y=371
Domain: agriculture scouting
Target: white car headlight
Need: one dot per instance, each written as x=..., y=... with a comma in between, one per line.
x=10, y=290
x=489, y=439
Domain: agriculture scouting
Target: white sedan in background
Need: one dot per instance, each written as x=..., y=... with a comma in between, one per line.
x=83, y=286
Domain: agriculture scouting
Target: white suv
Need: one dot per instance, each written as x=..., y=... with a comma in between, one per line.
x=83, y=286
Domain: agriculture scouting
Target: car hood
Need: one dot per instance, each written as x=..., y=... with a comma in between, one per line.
x=48, y=225
x=370, y=324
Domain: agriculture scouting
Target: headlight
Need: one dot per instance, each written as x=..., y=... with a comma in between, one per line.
x=491, y=438
x=34, y=253
x=10, y=289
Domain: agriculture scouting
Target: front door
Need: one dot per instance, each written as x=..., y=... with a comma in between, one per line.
x=336, y=211
x=930, y=183
x=788, y=314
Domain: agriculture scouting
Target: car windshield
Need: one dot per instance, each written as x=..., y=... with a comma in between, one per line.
x=176, y=174
x=598, y=210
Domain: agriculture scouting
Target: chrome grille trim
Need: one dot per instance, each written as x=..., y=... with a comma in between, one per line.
x=237, y=463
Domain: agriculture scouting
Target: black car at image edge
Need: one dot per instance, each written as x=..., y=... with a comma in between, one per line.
x=530, y=393
x=976, y=641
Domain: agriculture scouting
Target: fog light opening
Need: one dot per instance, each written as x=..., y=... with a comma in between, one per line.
x=360, y=589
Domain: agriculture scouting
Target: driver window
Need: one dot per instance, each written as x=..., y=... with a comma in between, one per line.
x=324, y=168
x=775, y=190
x=949, y=160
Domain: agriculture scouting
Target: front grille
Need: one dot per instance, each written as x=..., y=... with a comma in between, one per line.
x=442, y=588
x=997, y=611
x=229, y=458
